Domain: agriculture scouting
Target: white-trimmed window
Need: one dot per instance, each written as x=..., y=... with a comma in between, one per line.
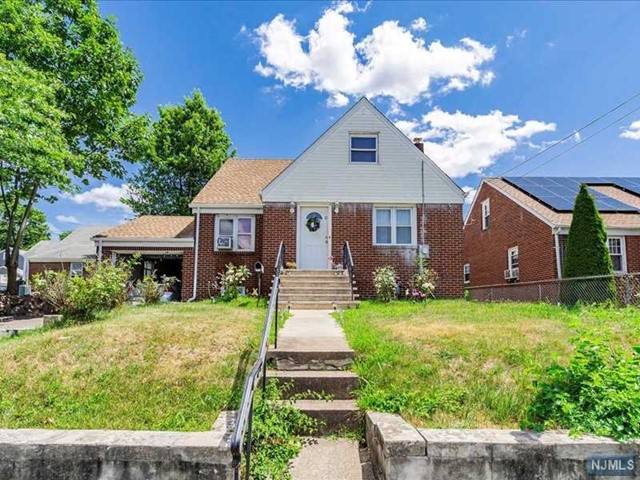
x=467, y=273
x=617, y=253
x=240, y=229
x=363, y=148
x=486, y=214
x=76, y=269
x=513, y=259
x=394, y=226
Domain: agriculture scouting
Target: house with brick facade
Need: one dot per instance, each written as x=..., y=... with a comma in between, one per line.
x=68, y=254
x=362, y=182
x=517, y=227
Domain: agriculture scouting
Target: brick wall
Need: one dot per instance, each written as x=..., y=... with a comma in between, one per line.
x=633, y=253
x=510, y=226
x=279, y=225
x=354, y=223
x=211, y=263
x=39, y=267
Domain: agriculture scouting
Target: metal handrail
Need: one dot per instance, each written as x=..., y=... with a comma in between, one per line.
x=244, y=419
x=348, y=265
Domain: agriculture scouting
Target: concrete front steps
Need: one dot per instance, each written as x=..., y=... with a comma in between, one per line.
x=314, y=356
x=316, y=290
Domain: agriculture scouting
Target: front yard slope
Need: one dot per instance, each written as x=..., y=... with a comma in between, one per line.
x=457, y=364
x=164, y=367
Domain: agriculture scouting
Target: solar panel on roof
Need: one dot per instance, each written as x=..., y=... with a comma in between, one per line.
x=559, y=193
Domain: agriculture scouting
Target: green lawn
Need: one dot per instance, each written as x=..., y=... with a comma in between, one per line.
x=164, y=367
x=459, y=364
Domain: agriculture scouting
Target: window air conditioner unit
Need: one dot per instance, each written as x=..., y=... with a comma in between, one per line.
x=512, y=274
x=224, y=243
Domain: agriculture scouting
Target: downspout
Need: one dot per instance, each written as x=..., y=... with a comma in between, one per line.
x=99, y=250
x=423, y=214
x=556, y=240
x=195, y=257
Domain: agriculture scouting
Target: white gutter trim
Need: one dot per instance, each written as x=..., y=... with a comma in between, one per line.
x=195, y=257
x=556, y=240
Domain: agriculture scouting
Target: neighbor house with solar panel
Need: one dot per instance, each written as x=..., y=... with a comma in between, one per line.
x=517, y=227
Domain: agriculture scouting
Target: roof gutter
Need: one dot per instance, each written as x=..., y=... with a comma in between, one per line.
x=195, y=257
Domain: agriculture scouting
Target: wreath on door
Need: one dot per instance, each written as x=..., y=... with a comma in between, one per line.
x=313, y=221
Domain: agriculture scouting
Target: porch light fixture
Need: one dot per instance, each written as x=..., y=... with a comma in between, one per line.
x=336, y=207
x=292, y=207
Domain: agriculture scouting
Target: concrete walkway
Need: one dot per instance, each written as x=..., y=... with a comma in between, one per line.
x=25, y=324
x=312, y=330
x=325, y=459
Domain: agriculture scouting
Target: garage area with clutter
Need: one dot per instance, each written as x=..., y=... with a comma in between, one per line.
x=164, y=268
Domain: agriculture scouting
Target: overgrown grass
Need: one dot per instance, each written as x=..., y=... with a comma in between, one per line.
x=458, y=364
x=161, y=367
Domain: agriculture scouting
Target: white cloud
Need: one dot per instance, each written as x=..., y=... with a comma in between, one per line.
x=577, y=137
x=462, y=144
x=632, y=132
x=67, y=219
x=470, y=194
x=518, y=34
x=419, y=25
x=106, y=196
x=389, y=62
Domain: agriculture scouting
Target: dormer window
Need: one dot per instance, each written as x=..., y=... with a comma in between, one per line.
x=364, y=148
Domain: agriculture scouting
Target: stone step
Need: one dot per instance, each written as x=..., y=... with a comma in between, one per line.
x=323, y=290
x=337, y=416
x=315, y=297
x=313, y=273
x=321, y=359
x=320, y=305
x=338, y=384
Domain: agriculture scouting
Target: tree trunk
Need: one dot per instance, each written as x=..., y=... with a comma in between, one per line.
x=12, y=275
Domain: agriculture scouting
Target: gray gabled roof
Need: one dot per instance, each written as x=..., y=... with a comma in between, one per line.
x=76, y=247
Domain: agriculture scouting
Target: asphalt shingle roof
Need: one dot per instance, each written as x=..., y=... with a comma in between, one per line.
x=153, y=226
x=240, y=181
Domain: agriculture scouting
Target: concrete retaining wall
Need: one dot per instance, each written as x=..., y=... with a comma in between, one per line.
x=401, y=452
x=117, y=454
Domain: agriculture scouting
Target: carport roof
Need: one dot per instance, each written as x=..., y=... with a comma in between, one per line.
x=152, y=227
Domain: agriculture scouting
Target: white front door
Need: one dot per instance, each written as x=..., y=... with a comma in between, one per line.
x=314, y=233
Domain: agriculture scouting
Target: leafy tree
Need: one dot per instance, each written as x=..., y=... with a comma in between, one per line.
x=73, y=78
x=64, y=234
x=186, y=146
x=34, y=153
x=37, y=229
x=587, y=254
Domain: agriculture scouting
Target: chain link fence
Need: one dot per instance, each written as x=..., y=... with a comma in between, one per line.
x=620, y=290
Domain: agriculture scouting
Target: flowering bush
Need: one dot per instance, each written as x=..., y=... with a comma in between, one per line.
x=233, y=278
x=83, y=298
x=384, y=281
x=423, y=283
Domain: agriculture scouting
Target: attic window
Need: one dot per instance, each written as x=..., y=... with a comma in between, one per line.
x=364, y=148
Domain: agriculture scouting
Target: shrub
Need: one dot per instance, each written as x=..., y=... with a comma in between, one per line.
x=384, y=281
x=598, y=392
x=423, y=283
x=83, y=298
x=277, y=426
x=231, y=279
x=150, y=290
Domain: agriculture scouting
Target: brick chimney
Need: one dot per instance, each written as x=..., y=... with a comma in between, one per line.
x=418, y=143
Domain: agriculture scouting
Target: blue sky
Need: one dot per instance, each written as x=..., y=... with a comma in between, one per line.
x=486, y=84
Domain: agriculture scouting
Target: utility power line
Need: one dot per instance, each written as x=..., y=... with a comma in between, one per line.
x=583, y=140
x=572, y=134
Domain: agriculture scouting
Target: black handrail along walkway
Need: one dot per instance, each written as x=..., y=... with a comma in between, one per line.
x=244, y=418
